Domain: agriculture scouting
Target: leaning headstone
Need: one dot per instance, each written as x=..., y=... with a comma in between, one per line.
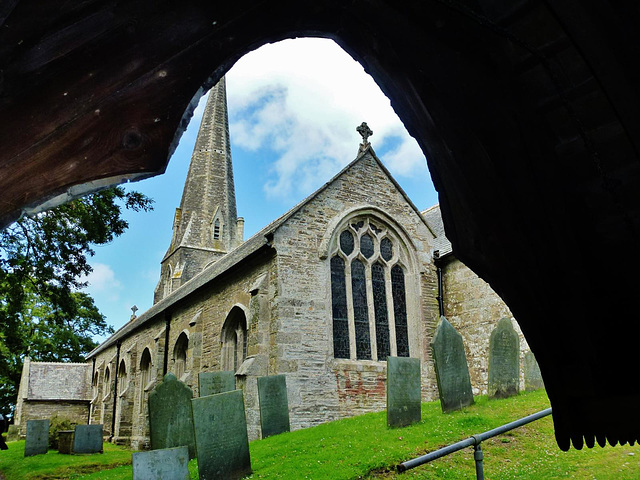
x=532, y=374
x=211, y=383
x=403, y=391
x=13, y=433
x=65, y=441
x=170, y=417
x=37, y=440
x=162, y=464
x=87, y=439
x=452, y=370
x=221, y=436
x=274, y=406
x=504, y=361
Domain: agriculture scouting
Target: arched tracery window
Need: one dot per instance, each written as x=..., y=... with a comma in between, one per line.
x=234, y=340
x=180, y=355
x=368, y=295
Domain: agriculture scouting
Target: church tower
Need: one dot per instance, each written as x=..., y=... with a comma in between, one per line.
x=205, y=226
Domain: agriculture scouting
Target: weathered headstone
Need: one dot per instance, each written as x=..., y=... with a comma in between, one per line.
x=37, y=440
x=212, y=383
x=65, y=441
x=13, y=433
x=162, y=464
x=452, y=370
x=87, y=439
x=274, y=406
x=170, y=416
x=532, y=375
x=403, y=391
x=221, y=436
x=504, y=361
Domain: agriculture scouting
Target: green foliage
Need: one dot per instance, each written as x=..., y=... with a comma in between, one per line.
x=43, y=260
x=56, y=424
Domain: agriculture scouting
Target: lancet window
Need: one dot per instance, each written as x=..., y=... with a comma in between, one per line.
x=180, y=355
x=368, y=293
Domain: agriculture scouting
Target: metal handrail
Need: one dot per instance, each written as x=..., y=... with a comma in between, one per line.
x=473, y=441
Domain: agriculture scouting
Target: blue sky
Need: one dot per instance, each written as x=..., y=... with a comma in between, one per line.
x=293, y=110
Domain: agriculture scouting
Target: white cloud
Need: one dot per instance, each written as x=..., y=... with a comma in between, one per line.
x=102, y=279
x=302, y=100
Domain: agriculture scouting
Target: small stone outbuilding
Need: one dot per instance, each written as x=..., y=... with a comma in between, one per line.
x=50, y=388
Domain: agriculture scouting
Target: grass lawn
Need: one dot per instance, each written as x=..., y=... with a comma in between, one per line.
x=363, y=447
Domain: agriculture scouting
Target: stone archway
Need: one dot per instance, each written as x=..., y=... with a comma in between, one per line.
x=528, y=113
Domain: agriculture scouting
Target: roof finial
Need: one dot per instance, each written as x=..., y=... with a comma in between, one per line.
x=365, y=132
x=134, y=309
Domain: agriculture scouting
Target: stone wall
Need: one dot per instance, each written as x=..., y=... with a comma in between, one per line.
x=77, y=412
x=474, y=309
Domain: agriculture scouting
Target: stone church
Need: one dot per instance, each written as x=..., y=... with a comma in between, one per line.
x=322, y=294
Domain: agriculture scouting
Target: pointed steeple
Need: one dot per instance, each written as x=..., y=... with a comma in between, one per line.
x=205, y=225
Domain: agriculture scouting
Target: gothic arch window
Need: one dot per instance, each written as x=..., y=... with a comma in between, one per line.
x=107, y=379
x=368, y=265
x=217, y=226
x=122, y=377
x=180, y=355
x=168, y=284
x=145, y=376
x=234, y=340
x=107, y=391
x=216, y=229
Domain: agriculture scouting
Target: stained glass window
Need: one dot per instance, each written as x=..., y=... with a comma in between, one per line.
x=380, y=309
x=366, y=245
x=386, y=249
x=374, y=274
x=400, y=310
x=346, y=242
x=360, y=310
x=339, y=309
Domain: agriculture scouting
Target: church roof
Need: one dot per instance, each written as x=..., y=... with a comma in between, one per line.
x=433, y=218
x=59, y=381
x=259, y=241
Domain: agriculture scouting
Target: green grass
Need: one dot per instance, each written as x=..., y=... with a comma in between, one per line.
x=363, y=447
x=53, y=465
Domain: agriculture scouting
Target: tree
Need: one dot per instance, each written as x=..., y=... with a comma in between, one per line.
x=43, y=259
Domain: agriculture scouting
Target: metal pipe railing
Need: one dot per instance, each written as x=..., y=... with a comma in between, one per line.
x=473, y=441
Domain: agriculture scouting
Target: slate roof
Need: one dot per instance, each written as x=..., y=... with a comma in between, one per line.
x=59, y=381
x=433, y=218
x=260, y=240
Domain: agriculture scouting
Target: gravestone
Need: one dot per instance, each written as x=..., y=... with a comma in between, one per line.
x=65, y=441
x=532, y=376
x=170, y=417
x=504, y=361
x=221, y=436
x=403, y=391
x=37, y=440
x=87, y=439
x=162, y=464
x=13, y=433
x=452, y=370
x=274, y=406
x=211, y=383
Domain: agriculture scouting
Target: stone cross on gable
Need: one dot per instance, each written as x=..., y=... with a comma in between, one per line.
x=134, y=309
x=365, y=132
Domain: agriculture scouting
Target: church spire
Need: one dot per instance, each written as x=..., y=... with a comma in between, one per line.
x=205, y=226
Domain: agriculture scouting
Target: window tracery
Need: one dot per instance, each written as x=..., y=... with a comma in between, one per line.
x=368, y=292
